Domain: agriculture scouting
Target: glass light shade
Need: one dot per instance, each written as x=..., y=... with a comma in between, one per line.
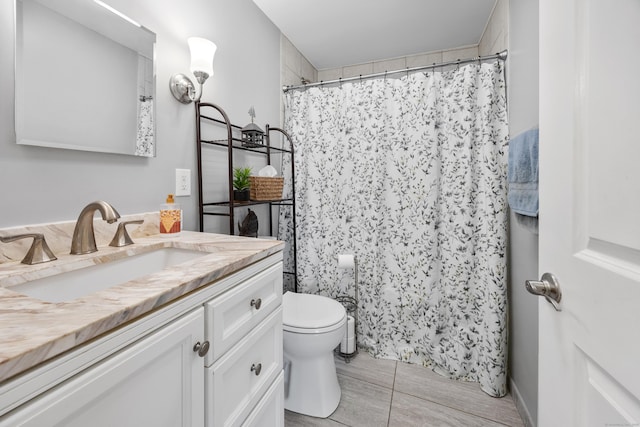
x=202, y=52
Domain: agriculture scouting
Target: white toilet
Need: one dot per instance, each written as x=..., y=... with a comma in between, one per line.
x=313, y=327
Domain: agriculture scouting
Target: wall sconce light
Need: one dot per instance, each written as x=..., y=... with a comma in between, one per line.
x=202, y=52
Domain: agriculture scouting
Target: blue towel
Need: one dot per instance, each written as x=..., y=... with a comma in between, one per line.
x=522, y=173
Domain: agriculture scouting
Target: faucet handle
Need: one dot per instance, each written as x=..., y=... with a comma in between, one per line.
x=38, y=252
x=121, y=237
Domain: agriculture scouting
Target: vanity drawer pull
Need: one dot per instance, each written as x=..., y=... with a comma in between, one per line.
x=201, y=349
x=256, y=303
x=256, y=368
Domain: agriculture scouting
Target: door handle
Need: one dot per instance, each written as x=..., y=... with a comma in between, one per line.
x=548, y=287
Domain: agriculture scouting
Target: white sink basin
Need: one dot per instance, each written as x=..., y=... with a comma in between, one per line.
x=74, y=284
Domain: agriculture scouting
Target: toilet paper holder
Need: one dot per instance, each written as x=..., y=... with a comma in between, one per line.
x=348, y=348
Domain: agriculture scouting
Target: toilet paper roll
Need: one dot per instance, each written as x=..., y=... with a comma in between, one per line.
x=346, y=261
x=348, y=344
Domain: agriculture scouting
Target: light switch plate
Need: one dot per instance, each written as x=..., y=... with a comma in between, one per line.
x=183, y=182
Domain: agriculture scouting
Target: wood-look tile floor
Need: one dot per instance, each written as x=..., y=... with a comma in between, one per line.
x=395, y=394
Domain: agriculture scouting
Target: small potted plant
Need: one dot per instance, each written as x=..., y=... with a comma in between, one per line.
x=241, y=184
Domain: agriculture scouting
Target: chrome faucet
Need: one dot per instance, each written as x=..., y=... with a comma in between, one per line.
x=84, y=239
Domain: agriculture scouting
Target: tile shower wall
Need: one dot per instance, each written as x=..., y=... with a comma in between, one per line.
x=400, y=63
x=294, y=66
x=496, y=33
x=494, y=39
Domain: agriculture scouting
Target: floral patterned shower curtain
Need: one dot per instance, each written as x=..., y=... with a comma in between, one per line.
x=409, y=175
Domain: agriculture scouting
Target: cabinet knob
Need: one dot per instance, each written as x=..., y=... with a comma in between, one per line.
x=256, y=368
x=201, y=348
x=256, y=303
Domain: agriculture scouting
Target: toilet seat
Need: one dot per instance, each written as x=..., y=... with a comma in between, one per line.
x=311, y=314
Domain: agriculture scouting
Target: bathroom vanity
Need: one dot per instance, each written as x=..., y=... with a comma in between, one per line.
x=197, y=343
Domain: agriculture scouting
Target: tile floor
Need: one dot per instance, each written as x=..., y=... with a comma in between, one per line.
x=395, y=394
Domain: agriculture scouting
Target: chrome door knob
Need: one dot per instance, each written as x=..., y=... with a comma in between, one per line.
x=548, y=287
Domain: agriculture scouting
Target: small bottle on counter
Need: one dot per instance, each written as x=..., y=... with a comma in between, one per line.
x=170, y=217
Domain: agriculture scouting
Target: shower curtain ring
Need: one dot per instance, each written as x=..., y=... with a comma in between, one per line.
x=340, y=82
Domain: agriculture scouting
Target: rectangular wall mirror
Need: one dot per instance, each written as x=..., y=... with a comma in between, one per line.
x=85, y=78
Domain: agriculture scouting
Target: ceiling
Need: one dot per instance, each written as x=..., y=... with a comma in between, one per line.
x=335, y=33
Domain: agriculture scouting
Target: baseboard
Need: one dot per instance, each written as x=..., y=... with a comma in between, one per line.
x=520, y=406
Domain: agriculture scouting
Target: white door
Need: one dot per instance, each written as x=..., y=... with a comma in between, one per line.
x=589, y=360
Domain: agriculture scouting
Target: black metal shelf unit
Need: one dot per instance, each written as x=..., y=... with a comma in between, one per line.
x=205, y=113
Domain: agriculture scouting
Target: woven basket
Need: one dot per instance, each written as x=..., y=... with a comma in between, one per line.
x=266, y=188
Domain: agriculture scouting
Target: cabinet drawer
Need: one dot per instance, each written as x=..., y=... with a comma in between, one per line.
x=270, y=411
x=231, y=315
x=233, y=385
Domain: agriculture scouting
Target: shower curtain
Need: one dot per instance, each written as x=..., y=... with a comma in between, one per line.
x=409, y=175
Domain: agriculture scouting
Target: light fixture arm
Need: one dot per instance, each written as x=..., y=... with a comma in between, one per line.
x=192, y=95
x=202, y=53
x=201, y=77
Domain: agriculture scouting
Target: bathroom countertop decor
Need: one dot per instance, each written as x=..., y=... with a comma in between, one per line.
x=34, y=331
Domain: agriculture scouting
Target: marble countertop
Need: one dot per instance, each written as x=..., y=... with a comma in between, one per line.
x=34, y=331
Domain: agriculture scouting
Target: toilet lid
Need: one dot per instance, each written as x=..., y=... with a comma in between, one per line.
x=310, y=311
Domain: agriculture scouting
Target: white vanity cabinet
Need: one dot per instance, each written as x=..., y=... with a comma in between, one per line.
x=149, y=372
x=155, y=382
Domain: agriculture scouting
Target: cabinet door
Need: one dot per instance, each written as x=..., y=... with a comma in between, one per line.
x=158, y=381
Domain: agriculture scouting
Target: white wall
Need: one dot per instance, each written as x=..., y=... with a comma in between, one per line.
x=523, y=115
x=43, y=184
x=514, y=25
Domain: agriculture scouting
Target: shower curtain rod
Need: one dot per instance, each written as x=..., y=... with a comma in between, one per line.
x=500, y=55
